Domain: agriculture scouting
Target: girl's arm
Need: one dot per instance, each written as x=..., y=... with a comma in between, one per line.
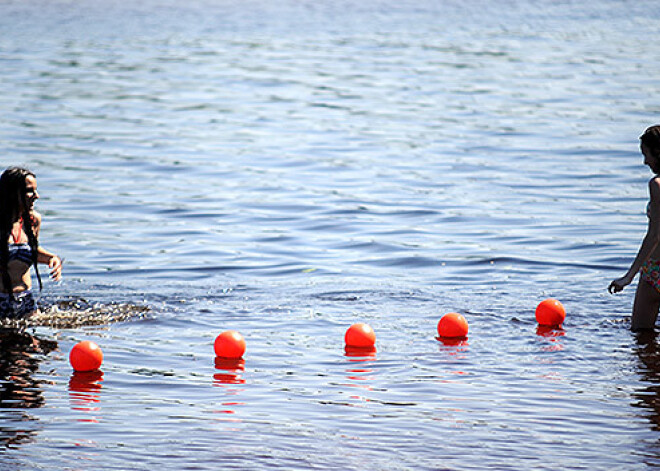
x=44, y=256
x=53, y=261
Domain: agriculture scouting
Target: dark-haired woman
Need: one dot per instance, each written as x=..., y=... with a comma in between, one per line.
x=19, y=243
x=647, y=261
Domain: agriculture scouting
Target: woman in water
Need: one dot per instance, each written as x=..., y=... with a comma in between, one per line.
x=19, y=243
x=647, y=297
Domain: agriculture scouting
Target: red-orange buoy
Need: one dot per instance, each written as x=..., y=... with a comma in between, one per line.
x=86, y=356
x=360, y=335
x=229, y=344
x=550, y=312
x=452, y=325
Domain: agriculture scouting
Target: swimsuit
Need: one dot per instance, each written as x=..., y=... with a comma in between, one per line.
x=21, y=252
x=17, y=305
x=650, y=272
x=17, y=250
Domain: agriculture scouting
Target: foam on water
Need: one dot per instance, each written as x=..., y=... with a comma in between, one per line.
x=77, y=312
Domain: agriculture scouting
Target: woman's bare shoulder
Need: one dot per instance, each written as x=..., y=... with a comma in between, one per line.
x=654, y=184
x=36, y=218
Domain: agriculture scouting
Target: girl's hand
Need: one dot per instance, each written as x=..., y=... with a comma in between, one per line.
x=55, y=265
x=618, y=284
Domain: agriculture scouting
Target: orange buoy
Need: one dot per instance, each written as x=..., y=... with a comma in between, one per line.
x=452, y=325
x=360, y=335
x=86, y=356
x=550, y=312
x=229, y=344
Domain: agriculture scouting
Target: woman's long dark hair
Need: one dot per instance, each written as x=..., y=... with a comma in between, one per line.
x=12, y=198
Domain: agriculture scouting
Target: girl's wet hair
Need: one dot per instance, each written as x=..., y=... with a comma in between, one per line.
x=651, y=139
x=13, y=188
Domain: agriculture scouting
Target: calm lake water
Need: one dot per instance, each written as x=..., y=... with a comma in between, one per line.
x=288, y=168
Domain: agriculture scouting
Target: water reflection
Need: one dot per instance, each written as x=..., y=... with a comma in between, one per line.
x=455, y=347
x=553, y=336
x=84, y=392
x=453, y=341
x=359, y=373
x=230, y=371
x=360, y=353
x=547, y=331
x=228, y=376
x=649, y=397
x=20, y=355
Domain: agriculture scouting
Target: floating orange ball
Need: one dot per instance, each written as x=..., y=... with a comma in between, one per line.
x=86, y=356
x=229, y=344
x=550, y=312
x=452, y=325
x=360, y=335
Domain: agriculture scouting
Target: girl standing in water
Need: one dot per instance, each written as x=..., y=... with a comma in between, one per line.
x=19, y=244
x=647, y=297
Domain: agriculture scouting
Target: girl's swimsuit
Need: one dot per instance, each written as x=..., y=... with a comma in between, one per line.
x=21, y=252
x=650, y=272
x=17, y=305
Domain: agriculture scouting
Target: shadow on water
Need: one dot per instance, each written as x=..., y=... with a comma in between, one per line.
x=20, y=356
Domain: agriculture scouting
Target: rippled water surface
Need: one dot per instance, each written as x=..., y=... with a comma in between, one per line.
x=288, y=168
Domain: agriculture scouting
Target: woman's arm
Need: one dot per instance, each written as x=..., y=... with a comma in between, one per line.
x=53, y=261
x=650, y=242
x=44, y=256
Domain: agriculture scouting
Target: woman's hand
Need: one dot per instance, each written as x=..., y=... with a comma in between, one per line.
x=620, y=283
x=55, y=265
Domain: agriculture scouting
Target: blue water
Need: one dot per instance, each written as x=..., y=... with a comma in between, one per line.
x=288, y=168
